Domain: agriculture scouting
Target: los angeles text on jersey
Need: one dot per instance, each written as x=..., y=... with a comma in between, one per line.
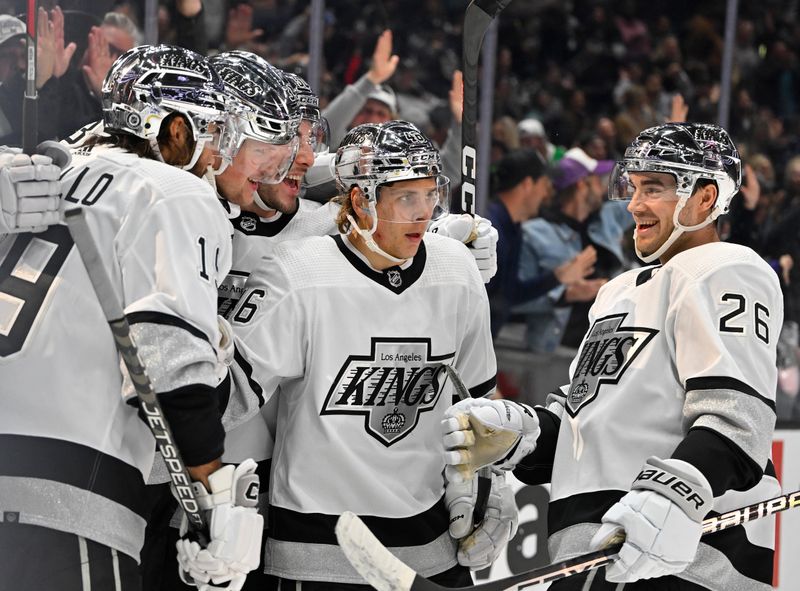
x=390, y=387
x=607, y=352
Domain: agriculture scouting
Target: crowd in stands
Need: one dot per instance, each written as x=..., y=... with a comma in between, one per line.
x=576, y=80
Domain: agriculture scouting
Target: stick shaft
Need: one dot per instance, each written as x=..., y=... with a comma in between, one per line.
x=30, y=115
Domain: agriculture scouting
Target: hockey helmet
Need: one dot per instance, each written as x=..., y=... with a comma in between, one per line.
x=149, y=82
x=310, y=111
x=374, y=154
x=687, y=151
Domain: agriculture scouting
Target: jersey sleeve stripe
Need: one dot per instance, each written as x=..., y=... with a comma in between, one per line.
x=484, y=388
x=165, y=319
x=727, y=383
x=247, y=369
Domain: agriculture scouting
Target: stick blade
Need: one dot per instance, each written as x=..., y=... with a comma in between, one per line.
x=371, y=559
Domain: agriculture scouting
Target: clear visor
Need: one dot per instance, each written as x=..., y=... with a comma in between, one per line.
x=319, y=136
x=645, y=180
x=414, y=201
x=266, y=163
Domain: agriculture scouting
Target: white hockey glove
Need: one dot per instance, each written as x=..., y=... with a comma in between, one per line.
x=499, y=526
x=662, y=519
x=30, y=188
x=235, y=529
x=225, y=348
x=477, y=233
x=479, y=432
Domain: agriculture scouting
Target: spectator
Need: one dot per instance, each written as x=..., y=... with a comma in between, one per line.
x=582, y=226
x=533, y=136
x=52, y=60
x=521, y=188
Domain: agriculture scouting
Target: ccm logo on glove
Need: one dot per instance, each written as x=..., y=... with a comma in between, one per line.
x=670, y=480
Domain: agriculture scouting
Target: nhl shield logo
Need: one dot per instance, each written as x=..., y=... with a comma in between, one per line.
x=394, y=277
x=247, y=223
x=606, y=354
x=391, y=387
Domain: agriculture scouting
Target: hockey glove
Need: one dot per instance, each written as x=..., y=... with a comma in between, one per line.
x=477, y=233
x=662, y=519
x=479, y=432
x=499, y=526
x=30, y=188
x=235, y=529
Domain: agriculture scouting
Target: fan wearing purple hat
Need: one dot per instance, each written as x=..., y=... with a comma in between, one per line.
x=580, y=223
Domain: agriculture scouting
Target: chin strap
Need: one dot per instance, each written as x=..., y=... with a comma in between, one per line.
x=210, y=176
x=367, y=235
x=260, y=202
x=676, y=232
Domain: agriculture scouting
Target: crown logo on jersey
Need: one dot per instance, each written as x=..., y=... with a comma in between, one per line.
x=391, y=387
x=247, y=223
x=394, y=277
x=606, y=354
x=393, y=423
x=579, y=392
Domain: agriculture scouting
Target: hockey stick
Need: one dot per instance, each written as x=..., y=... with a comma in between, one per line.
x=30, y=115
x=385, y=572
x=477, y=19
x=121, y=330
x=484, y=474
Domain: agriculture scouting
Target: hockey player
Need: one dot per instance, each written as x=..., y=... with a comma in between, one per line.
x=74, y=460
x=350, y=332
x=263, y=139
x=670, y=411
x=257, y=143
x=277, y=211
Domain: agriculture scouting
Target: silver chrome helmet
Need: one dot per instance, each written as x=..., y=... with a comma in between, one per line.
x=261, y=98
x=310, y=111
x=148, y=83
x=373, y=154
x=687, y=151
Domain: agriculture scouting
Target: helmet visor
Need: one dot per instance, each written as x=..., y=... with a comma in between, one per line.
x=415, y=200
x=654, y=181
x=319, y=136
x=266, y=163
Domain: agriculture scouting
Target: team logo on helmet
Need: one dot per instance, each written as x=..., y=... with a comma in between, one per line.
x=606, y=354
x=391, y=387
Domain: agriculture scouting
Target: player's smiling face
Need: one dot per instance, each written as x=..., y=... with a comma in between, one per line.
x=404, y=211
x=652, y=207
x=254, y=161
x=283, y=196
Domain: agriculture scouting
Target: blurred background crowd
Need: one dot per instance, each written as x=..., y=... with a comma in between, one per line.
x=575, y=81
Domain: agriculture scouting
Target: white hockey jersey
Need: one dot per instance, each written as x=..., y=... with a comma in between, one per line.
x=354, y=356
x=254, y=238
x=74, y=454
x=679, y=361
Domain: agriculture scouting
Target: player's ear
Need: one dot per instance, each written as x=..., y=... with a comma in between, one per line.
x=707, y=196
x=175, y=140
